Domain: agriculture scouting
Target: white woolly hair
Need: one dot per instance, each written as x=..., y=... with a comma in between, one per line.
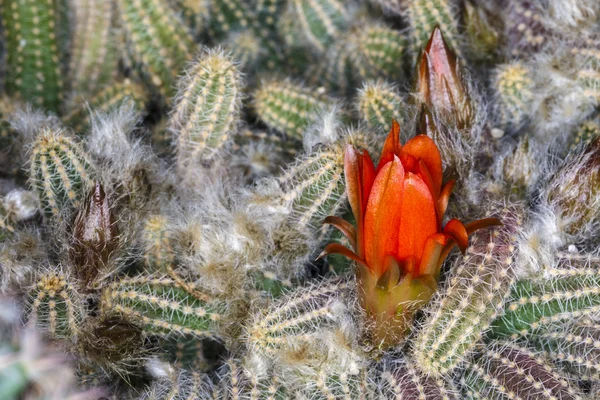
x=568, y=183
x=560, y=102
x=325, y=130
x=575, y=14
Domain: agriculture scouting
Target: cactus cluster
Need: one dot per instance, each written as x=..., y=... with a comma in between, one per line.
x=170, y=171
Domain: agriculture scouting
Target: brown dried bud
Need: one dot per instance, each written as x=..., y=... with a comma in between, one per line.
x=440, y=85
x=94, y=236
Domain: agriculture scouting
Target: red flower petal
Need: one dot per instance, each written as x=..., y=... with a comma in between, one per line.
x=423, y=148
x=382, y=216
x=418, y=218
x=343, y=226
x=431, y=254
x=391, y=146
x=444, y=198
x=457, y=231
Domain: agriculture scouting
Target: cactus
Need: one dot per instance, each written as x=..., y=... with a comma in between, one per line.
x=94, y=57
x=315, y=186
x=109, y=98
x=61, y=172
x=377, y=52
x=289, y=108
x=158, y=42
x=535, y=305
x=474, y=297
x=513, y=84
x=33, y=60
x=320, y=22
x=424, y=16
x=401, y=379
x=55, y=305
x=575, y=349
x=584, y=134
x=296, y=321
x=378, y=103
x=159, y=254
x=163, y=306
x=207, y=111
x=525, y=29
x=505, y=369
x=194, y=12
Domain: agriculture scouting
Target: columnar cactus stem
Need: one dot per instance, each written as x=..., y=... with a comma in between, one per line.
x=55, y=305
x=157, y=244
x=320, y=22
x=61, y=172
x=295, y=320
x=162, y=306
x=207, y=112
x=477, y=287
x=507, y=370
x=106, y=99
x=158, y=41
x=401, y=380
x=94, y=58
x=30, y=30
x=535, y=305
x=289, y=108
x=513, y=83
x=378, y=103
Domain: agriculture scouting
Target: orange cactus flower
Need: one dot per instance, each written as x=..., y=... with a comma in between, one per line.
x=399, y=242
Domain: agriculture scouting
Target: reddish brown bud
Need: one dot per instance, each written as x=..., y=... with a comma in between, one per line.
x=94, y=235
x=440, y=85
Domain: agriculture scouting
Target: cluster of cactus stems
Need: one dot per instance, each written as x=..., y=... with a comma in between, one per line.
x=170, y=171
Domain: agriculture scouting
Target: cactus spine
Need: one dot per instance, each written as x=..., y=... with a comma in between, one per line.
x=207, y=112
x=163, y=306
x=158, y=42
x=30, y=37
x=60, y=172
x=478, y=286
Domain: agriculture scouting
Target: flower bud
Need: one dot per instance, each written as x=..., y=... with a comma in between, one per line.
x=440, y=85
x=94, y=235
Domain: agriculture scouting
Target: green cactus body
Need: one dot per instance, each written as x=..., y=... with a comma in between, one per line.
x=228, y=16
x=477, y=288
x=378, y=103
x=162, y=306
x=55, y=305
x=514, y=86
x=535, y=305
x=585, y=133
x=296, y=320
x=269, y=283
x=268, y=12
x=158, y=42
x=315, y=186
x=60, y=172
x=377, y=52
x=289, y=108
x=7, y=133
x=425, y=15
x=6, y=226
x=207, y=112
x=288, y=149
x=186, y=352
x=194, y=12
x=402, y=380
x=574, y=348
x=159, y=254
x=33, y=58
x=588, y=75
x=320, y=22
x=505, y=370
x=107, y=99
x=95, y=53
